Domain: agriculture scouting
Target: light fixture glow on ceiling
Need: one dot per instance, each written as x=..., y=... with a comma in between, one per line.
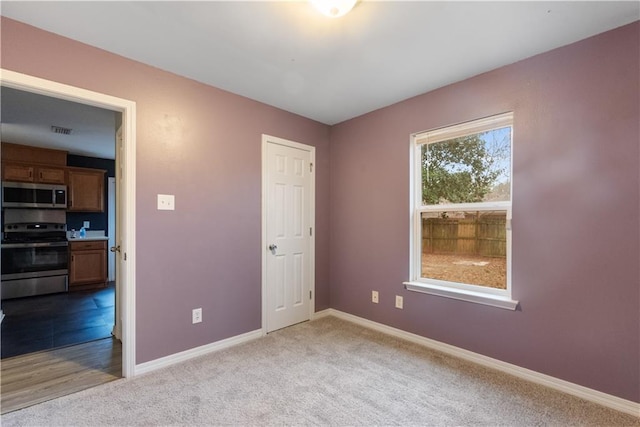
x=333, y=8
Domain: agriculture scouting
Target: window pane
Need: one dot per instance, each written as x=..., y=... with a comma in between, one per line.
x=468, y=169
x=465, y=247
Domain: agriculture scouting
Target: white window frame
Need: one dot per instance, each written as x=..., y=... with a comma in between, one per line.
x=466, y=292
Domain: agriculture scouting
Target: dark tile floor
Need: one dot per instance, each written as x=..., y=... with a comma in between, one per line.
x=50, y=321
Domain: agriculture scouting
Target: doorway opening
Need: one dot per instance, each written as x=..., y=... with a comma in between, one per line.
x=122, y=286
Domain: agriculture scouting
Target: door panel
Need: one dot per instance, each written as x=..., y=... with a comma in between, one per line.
x=288, y=185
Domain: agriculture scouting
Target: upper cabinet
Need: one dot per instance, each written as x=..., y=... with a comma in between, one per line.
x=86, y=190
x=51, y=175
x=33, y=164
x=24, y=163
x=36, y=155
x=31, y=173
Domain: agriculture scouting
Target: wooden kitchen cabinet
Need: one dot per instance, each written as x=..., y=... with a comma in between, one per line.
x=51, y=175
x=86, y=190
x=24, y=172
x=87, y=264
x=24, y=163
x=18, y=172
x=33, y=155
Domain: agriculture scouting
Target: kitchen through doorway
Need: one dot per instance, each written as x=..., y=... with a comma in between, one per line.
x=118, y=292
x=55, y=289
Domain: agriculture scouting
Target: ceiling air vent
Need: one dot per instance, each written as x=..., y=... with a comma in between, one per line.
x=61, y=130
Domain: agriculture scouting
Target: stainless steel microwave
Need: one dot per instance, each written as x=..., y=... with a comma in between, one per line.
x=28, y=195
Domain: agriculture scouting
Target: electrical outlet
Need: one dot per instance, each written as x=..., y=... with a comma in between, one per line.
x=399, y=302
x=196, y=315
x=374, y=296
x=86, y=224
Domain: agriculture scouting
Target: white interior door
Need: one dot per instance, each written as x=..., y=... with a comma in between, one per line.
x=288, y=253
x=111, y=219
x=116, y=244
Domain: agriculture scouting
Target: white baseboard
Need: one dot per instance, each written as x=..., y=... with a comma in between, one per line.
x=209, y=348
x=324, y=313
x=582, y=392
x=195, y=352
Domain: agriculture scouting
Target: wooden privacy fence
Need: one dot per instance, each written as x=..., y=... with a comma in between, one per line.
x=478, y=234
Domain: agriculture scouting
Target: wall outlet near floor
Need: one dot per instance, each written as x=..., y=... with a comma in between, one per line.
x=399, y=302
x=196, y=315
x=374, y=297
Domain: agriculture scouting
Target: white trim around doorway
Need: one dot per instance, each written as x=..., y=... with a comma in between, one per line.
x=40, y=86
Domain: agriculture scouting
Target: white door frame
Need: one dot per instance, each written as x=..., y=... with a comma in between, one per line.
x=266, y=139
x=126, y=231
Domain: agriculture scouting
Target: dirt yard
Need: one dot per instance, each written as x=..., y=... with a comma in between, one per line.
x=471, y=269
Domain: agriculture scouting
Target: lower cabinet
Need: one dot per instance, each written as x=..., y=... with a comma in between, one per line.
x=87, y=265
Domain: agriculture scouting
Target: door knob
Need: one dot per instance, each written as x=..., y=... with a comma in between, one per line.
x=115, y=248
x=273, y=248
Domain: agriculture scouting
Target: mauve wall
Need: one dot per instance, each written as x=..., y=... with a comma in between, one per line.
x=575, y=214
x=576, y=199
x=203, y=145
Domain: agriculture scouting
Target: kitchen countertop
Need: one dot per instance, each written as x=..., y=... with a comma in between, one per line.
x=92, y=235
x=87, y=239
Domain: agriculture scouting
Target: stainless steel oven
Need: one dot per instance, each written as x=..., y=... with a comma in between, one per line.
x=35, y=257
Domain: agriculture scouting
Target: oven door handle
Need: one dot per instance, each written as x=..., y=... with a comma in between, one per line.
x=34, y=245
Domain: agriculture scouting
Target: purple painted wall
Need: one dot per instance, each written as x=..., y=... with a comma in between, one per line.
x=575, y=214
x=576, y=204
x=203, y=145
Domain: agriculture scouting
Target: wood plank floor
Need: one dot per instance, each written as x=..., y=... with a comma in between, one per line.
x=37, y=377
x=45, y=322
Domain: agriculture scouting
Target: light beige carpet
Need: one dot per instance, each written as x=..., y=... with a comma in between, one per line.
x=325, y=372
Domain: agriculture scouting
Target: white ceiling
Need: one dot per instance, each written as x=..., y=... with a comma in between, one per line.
x=287, y=55
x=27, y=119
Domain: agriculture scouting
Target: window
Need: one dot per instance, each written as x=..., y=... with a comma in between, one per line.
x=461, y=211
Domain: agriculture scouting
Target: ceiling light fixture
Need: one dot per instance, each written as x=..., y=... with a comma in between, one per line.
x=333, y=8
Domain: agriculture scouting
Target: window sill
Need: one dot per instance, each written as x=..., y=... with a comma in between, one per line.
x=463, y=295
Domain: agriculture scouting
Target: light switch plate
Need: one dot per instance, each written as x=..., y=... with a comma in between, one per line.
x=86, y=224
x=166, y=202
